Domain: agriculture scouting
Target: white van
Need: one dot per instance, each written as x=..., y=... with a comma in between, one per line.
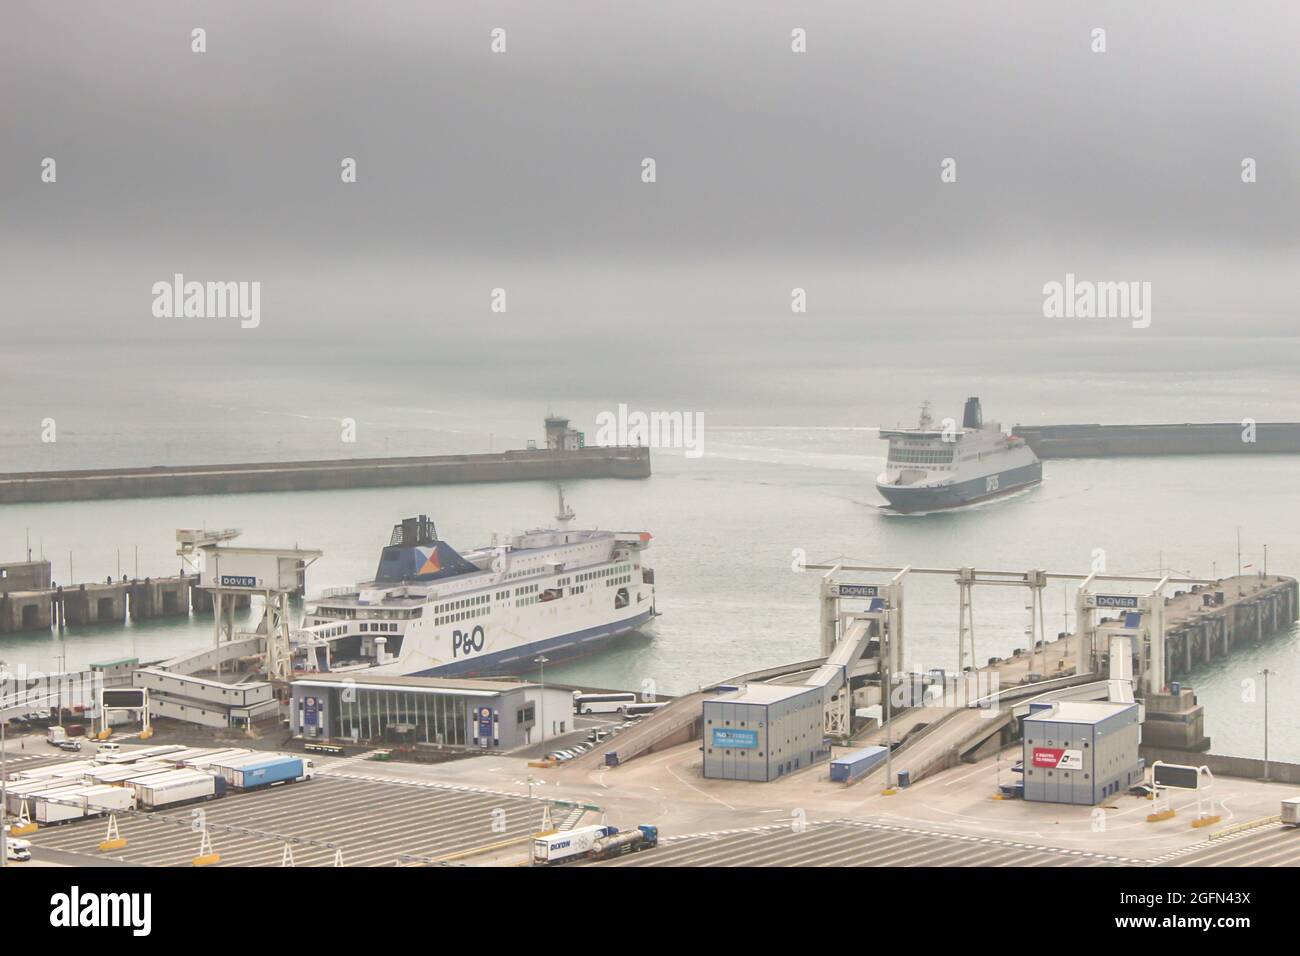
x=106, y=750
x=17, y=851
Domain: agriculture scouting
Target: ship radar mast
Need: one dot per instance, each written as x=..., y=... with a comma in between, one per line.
x=926, y=420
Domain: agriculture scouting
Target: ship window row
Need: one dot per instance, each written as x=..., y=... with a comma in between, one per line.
x=350, y=613
x=602, y=573
x=921, y=456
x=376, y=626
x=461, y=616
x=526, y=589
x=614, y=582
x=467, y=602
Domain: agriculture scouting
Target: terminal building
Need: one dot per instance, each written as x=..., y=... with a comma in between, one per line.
x=444, y=711
x=1081, y=751
x=763, y=732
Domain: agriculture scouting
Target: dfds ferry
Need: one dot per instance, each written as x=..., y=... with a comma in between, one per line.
x=929, y=469
x=558, y=591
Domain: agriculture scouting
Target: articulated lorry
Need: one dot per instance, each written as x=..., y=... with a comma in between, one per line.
x=592, y=843
x=265, y=770
x=157, y=790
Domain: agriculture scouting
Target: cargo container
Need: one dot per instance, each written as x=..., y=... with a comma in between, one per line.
x=143, y=753
x=266, y=772
x=120, y=773
x=49, y=770
x=61, y=806
x=853, y=766
x=189, y=753
x=68, y=774
x=17, y=793
x=217, y=756
x=154, y=791
x=1291, y=812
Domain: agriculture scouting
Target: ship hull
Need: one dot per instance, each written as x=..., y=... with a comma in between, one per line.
x=520, y=659
x=911, y=499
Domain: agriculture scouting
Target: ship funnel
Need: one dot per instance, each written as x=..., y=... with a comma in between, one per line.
x=973, y=416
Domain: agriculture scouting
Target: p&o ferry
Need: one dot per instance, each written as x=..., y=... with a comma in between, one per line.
x=562, y=592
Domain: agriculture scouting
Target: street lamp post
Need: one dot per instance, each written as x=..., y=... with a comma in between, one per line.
x=542, y=661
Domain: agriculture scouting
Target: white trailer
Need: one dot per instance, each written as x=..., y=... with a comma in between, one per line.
x=1291, y=812
x=143, y=753
x=60, y=806
x=189, y=753
x=16, y=793
x=50, y=770
x=179, y=786
x=69, y=774
x=217, y=756
x=120, y=773
x=568, y=844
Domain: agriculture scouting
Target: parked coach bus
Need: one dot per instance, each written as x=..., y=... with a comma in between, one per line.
x=602, y=703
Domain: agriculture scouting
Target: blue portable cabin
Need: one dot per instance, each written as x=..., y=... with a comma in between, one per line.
x=852, y=766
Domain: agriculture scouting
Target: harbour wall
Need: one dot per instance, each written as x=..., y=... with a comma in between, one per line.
x=165, y=481
x=1208, y=438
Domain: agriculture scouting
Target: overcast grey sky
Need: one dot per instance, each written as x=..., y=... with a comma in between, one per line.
x=522, y=170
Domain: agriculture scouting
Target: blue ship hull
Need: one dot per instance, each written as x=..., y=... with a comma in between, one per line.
x=519, y=660
x=910, y=500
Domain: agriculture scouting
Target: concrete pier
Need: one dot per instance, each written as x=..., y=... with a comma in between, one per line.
x=160, y=481
x=1203, y=438
x=1207, y=622
x=27, y=608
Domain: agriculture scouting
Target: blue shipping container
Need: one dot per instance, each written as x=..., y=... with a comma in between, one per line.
x=267, y=772
x=850, y=767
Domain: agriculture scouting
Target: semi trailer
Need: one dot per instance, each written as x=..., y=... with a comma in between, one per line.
x=158, y=790
x=591, y=843
x=61, y=806
x=265, y=771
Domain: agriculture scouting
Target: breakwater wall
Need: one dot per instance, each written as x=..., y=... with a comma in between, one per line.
x=1207, y=438
x=165, y=481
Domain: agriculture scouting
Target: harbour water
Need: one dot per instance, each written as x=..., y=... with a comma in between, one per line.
x=728, y=527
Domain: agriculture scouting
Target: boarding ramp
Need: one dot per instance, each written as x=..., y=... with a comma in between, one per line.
x=833, y=676
x=1120, y=683
x=248, y=645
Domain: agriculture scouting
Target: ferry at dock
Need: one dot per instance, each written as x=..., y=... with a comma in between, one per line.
x=560, y=592
x=933, y=469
